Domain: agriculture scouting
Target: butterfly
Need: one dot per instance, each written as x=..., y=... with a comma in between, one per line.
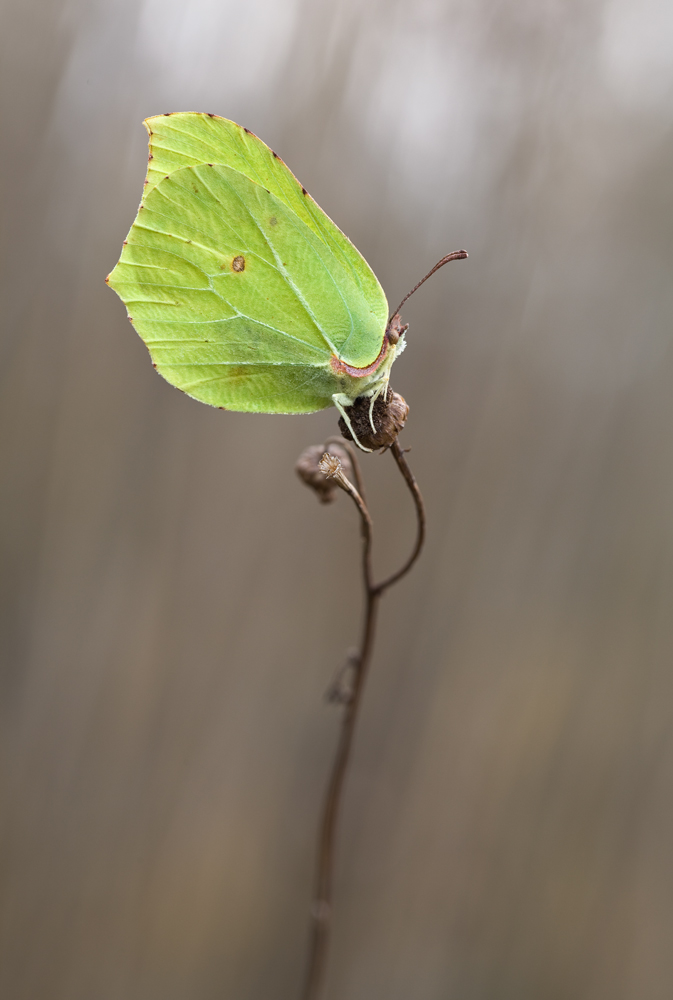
x=245, y=292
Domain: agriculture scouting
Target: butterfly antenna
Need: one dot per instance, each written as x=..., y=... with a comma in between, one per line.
x=456, y=255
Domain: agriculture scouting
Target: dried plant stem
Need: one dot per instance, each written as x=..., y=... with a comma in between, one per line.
x=398, y=455
x=321, y=911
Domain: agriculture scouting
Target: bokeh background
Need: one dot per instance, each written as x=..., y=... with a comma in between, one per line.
x=175, y=603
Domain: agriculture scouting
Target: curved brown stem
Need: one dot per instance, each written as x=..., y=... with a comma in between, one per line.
x=398, y=455
x=321, y=910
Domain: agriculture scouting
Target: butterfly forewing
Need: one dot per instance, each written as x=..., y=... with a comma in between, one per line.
x=242, y=288
x=186, y=139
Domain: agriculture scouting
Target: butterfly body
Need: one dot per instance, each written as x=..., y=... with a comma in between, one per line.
x=246, y=294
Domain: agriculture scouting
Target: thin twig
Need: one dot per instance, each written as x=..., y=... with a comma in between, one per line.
x=321, y=911
x=398, y=455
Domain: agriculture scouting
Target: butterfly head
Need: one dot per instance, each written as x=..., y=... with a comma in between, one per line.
x=396, y=329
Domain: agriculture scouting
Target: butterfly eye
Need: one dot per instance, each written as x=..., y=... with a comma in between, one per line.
x=238, y=263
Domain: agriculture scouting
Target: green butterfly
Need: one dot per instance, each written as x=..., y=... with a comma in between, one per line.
x=246, y=294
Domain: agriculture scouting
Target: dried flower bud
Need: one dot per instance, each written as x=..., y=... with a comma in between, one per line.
x=310, y=469
x=389, y=415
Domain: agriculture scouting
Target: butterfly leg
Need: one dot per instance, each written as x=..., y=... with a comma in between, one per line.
x=340, y=400
x=380, y=386
x=374, y=392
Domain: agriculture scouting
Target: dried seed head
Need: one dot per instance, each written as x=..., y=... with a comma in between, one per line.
x=389, y=414
x=317, y=467
x=330, y=465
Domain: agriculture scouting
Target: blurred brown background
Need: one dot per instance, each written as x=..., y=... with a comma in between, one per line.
x=175, y=603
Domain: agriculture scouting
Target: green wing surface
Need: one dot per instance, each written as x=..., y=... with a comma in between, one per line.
x=241, y=287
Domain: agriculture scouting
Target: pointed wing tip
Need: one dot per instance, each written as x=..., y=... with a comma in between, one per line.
x=148, y=122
